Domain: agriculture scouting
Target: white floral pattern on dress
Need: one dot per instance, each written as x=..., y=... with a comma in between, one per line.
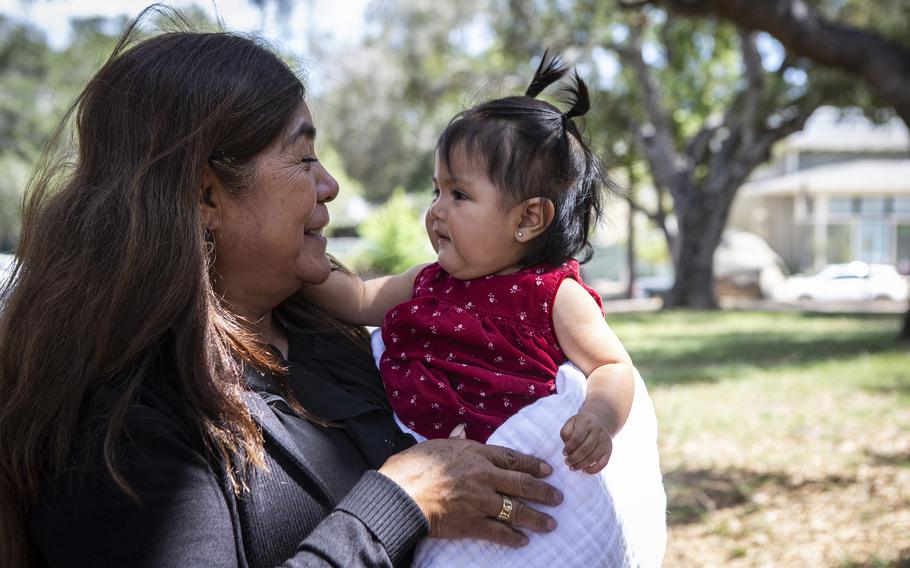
x=510, y=347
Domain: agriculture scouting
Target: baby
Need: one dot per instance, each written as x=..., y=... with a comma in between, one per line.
x=476, y=336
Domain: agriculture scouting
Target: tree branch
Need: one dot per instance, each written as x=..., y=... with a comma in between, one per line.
x=755, y=82
x=656, y=138
x=655, y=217
x=884, y=64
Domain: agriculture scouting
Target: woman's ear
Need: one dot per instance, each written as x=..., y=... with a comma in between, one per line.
x=536, y=215
x=211, y=194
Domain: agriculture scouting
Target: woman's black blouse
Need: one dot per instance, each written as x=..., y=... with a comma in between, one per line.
x=313, y=505
x=338, y=382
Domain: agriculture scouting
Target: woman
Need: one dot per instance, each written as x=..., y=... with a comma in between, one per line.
x=167, y=397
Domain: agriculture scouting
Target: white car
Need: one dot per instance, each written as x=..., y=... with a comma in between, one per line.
x=6, y=265
x=6, y=269
x=854, y=281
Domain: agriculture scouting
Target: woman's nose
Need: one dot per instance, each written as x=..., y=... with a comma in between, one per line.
x=326, y=187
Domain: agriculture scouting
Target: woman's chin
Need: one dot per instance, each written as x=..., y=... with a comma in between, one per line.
x=315, y=271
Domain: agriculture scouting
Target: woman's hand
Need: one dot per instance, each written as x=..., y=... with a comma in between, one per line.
x=459, y=486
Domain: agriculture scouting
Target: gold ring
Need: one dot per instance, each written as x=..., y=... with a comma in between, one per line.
x=506, y=512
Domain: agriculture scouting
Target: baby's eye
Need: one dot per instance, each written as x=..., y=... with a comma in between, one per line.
x=435, y=192
x=458, y=195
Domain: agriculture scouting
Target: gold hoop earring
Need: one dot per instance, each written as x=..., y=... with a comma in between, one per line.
x=209, y=238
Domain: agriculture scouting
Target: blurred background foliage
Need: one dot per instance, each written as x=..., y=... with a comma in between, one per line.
x=395, y=236
x=382, y=100
x=784, y=435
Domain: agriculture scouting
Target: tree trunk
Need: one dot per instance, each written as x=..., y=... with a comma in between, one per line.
x=904, y=335
x=700, y=228
x=630, y=255
x=630, y=252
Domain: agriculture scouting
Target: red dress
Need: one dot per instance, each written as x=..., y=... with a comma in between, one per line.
x=473, y=351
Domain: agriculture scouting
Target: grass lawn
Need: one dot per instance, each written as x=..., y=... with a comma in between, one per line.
x=785, y=437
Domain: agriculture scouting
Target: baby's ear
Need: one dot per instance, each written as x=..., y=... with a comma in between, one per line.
x=536, y=215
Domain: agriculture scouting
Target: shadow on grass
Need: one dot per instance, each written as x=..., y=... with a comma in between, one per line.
x=716, y=357
x=901, y=561
x=896, y=459
x=692, y=494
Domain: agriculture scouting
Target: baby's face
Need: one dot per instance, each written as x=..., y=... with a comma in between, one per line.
x=471, y=230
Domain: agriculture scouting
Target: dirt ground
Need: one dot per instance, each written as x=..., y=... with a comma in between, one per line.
x=828, y=496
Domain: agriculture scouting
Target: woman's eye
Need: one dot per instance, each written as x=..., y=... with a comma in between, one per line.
x=309, y=160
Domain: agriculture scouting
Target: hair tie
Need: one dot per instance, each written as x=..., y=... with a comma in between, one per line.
x=567, y=126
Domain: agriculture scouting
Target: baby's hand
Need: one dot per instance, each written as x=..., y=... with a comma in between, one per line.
x=588, y=442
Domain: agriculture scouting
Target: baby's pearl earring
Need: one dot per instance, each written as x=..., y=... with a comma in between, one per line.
x=520, y=234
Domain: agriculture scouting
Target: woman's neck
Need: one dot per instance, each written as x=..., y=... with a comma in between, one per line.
x=264, y=327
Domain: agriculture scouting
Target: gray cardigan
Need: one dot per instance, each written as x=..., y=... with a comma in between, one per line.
x=190, y=516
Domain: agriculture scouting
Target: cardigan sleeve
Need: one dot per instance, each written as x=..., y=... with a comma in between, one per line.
x=377, y=512
x=186, y=518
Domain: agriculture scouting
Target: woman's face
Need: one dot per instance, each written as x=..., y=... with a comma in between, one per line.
x=269, y=241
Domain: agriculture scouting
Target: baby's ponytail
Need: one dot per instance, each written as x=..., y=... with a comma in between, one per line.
x=550, y=70
x=577, y=98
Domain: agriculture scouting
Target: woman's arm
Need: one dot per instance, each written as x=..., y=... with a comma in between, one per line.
x=187, y=516
x=349, y=298
x=593, y=347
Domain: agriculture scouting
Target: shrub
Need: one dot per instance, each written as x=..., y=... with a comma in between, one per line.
x=395, y=236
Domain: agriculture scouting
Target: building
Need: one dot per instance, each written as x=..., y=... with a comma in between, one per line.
x=837, y=191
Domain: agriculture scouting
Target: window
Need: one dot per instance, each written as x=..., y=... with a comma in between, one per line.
x=875, y=242
x=902, y=206
x=840, y=248
x=840, y=206
x=873, y=205
x=903, y=248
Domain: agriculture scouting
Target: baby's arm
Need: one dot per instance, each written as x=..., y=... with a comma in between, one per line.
x=588, y=341
x=353, y=300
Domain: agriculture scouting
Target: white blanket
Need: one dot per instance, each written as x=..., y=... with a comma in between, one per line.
x=614, y=518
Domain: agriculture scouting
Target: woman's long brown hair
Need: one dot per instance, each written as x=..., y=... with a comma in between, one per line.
x=114, y=272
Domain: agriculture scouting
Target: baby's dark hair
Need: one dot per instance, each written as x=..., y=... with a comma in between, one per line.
x=532, y=149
